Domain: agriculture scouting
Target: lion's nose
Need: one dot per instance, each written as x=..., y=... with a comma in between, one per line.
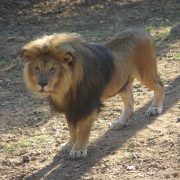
x=42, y=83
x=42, y=80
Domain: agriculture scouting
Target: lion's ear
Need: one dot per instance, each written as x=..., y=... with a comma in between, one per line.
x=67, y=58
x=30, y=54
x=61, y=51
x=62, y=55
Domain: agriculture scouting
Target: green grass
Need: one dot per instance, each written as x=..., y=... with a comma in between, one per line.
x=14, y=77
x=177, y=57
x=149, y=27
x=3, y=62
x=4, y=93
x=161, y=36
x=33, y=141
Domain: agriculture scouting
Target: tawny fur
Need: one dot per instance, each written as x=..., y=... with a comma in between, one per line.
x=131, y=55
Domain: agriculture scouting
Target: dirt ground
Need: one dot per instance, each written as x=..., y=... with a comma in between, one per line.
x=31, y=136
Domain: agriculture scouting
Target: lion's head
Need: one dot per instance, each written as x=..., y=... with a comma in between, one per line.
x=51, y=63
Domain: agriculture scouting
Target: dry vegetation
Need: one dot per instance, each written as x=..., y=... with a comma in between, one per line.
x=31, y=136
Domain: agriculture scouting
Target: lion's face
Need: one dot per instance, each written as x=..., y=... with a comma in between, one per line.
x=51, y=66
x=44, y=74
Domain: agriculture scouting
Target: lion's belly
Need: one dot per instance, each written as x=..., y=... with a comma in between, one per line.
x=115, y=85
x=124, y=71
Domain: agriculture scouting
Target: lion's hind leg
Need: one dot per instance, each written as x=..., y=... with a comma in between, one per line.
x=157, y=86
x=127, y=98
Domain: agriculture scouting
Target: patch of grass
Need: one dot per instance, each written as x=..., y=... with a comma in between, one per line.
x=14, y=78
x=33, y=141
x=158, y=33
x=3, y=62
x=177, y=57
x=162, y=33
x=161, y=36
x=17, y=145
x=4, y=93
x=9, y=148
x=7, y=65
x=125, y=155
x=40, y=138
x=94, y=35
x=23, y=143
x=149, y=27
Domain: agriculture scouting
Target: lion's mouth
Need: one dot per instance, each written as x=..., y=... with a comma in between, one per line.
x=42, y=91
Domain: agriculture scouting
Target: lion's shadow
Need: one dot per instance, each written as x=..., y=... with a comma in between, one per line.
x=63, y=168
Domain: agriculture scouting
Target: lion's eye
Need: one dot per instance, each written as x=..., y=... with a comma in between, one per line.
x=52, y=69
x=37, y=68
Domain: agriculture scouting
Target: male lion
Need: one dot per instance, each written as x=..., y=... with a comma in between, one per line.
x=77, y=76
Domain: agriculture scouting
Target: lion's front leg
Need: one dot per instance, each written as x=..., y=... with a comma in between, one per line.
x=73, y=134
x=79, y=149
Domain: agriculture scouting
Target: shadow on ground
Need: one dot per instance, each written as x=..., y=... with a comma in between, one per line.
x=63, y=168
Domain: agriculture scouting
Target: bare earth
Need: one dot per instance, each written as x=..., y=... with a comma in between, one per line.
x=32, y=136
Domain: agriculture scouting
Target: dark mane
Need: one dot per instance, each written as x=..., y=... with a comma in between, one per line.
x=98, y=68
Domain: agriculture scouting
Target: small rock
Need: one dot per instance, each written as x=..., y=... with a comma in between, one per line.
x=65, y=128
x=11, y=39
x=138, y=90
x=43, y=159
x=175, y=30
x=151, y=173
x=57, y=145
x=33, y=158
x=131, y=145
x=18, y=162
x=24, y=2
x=20, y=13
x=76, y=165
x=26, y=159
x=178, y=120
x=176, y=175
x=39, y=19
x=167, y=176
x=18, y=177
x=22, y=153
x=131, y=168
x=6, y=163
x=21, y=38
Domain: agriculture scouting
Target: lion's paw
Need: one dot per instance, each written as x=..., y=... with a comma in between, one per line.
x=66, y=147
x=80, y=153
x=118, y=124
x=154, y=111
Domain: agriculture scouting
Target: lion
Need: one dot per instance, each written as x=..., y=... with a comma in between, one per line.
x=77, y=76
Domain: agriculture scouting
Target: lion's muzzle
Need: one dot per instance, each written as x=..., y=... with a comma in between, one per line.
x=42, y=80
